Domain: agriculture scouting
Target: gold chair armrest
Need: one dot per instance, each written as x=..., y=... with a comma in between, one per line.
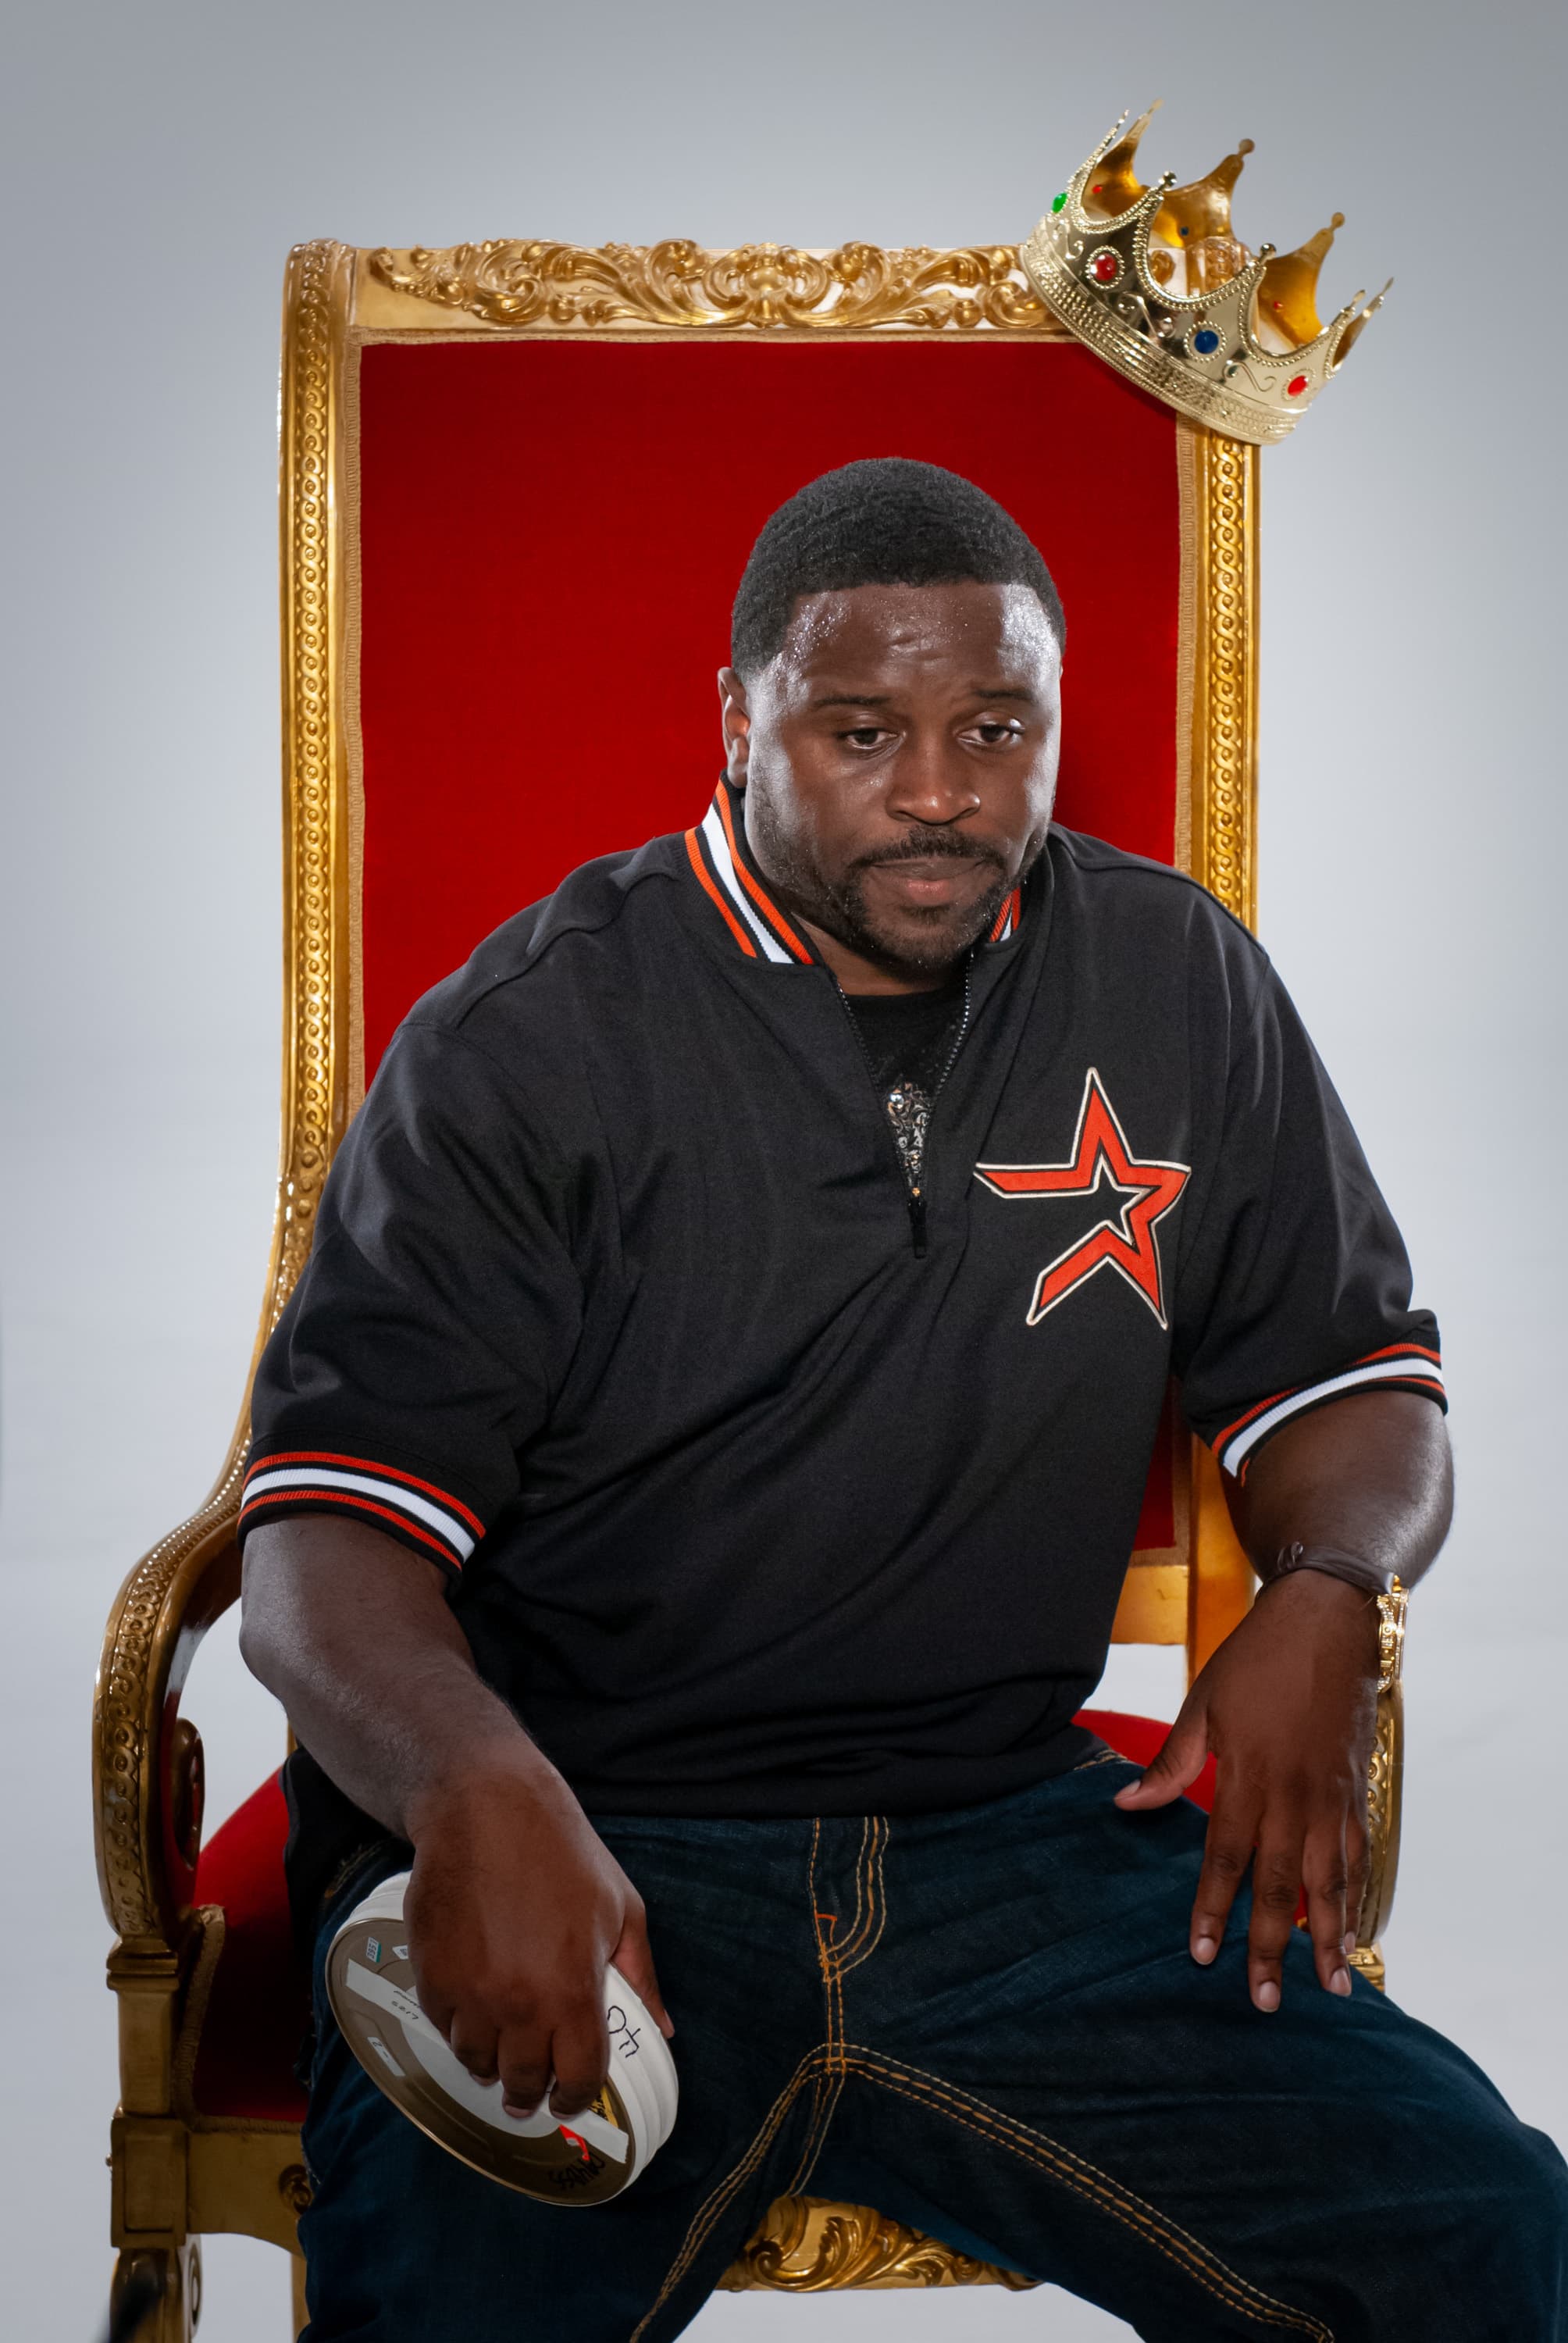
x=1385, y=1783
x=147, y=1760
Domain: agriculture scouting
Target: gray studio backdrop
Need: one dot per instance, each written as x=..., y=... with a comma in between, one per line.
x=160, y=159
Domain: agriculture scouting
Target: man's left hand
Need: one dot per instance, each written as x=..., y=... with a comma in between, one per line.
x=1288, y=1705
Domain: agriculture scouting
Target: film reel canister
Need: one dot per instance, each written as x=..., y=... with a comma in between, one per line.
x=370, y=1984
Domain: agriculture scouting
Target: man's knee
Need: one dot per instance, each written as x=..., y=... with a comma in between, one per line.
x=1535, y=2182
x=1496, y=2195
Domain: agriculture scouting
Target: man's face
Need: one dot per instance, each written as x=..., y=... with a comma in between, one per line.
x=899, y=758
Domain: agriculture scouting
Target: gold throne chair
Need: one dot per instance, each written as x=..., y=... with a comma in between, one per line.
x=473, y=441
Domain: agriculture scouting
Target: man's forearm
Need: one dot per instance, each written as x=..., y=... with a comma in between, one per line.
x=1370, y=1475
x=514, y=1907
x=353, y=1636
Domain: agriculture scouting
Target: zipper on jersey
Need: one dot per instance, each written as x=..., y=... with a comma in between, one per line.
x=915, y=1189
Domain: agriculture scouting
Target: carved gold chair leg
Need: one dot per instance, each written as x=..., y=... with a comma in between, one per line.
x=177, y=2270
x=296, y=2293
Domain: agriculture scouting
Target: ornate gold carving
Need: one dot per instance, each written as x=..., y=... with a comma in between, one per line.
x=188, y=1789
x=1385, y=1776
x=1225, y=692
x=807, y=2246
x=156, y=1610
x=1392, y=1608
x=294, y=2188
x=851, y=291
x=316, y=309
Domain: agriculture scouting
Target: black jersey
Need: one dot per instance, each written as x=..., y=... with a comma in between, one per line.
x=754, y=1497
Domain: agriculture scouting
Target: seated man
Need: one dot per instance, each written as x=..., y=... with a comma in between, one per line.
x=691, y=1489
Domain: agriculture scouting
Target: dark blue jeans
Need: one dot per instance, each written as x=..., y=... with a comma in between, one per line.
x=985, y=2024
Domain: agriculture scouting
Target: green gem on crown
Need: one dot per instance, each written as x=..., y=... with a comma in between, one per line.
x=1058, y=203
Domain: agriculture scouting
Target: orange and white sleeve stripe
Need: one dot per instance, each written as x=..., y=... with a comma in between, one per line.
x=321, y=1481
x=1404, y=1366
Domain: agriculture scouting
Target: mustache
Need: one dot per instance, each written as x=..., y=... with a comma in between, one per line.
x=931, y=845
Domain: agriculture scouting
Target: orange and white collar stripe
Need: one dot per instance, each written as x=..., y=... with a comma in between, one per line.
x=1006, y=921
x=749, y=912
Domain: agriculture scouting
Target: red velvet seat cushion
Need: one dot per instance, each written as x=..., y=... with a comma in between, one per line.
x=258, y=2014
x=1142, y=1739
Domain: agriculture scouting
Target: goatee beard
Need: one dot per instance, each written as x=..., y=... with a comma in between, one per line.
x=925, y=944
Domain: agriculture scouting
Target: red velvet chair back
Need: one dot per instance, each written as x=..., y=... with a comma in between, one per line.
x=550, y=537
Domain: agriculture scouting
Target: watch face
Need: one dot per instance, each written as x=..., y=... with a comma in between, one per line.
x=370, y=1983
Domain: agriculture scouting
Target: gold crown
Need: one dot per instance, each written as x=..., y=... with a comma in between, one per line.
x=1154, y=281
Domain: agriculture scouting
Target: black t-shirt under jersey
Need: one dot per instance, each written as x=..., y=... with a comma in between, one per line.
x=909, y=1036
x=747, y=1506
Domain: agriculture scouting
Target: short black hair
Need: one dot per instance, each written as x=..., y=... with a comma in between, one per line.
x=885, y=521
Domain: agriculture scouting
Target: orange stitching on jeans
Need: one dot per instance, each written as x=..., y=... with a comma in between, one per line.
x=865, y=1899
x=1195, y=2259
x=877, y=1901
x=713, y=2205
x=818, y=1915
x=864, y=1933
x=862, y=1884
x=793, y=2186
x=858, y=1917
x=824, y=2098
x=825, y=2092
x=827, y=2101
x=861, y=1948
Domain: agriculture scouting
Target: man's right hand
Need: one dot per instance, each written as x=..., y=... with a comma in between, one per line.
x=515, y=1908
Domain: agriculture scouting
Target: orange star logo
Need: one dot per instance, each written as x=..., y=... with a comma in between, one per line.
x=1125, y=1239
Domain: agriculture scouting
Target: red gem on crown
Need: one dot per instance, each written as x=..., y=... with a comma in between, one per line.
x=1295, y=387
x=1105, y=268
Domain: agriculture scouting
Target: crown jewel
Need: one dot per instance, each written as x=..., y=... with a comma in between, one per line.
x=1155, y=282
